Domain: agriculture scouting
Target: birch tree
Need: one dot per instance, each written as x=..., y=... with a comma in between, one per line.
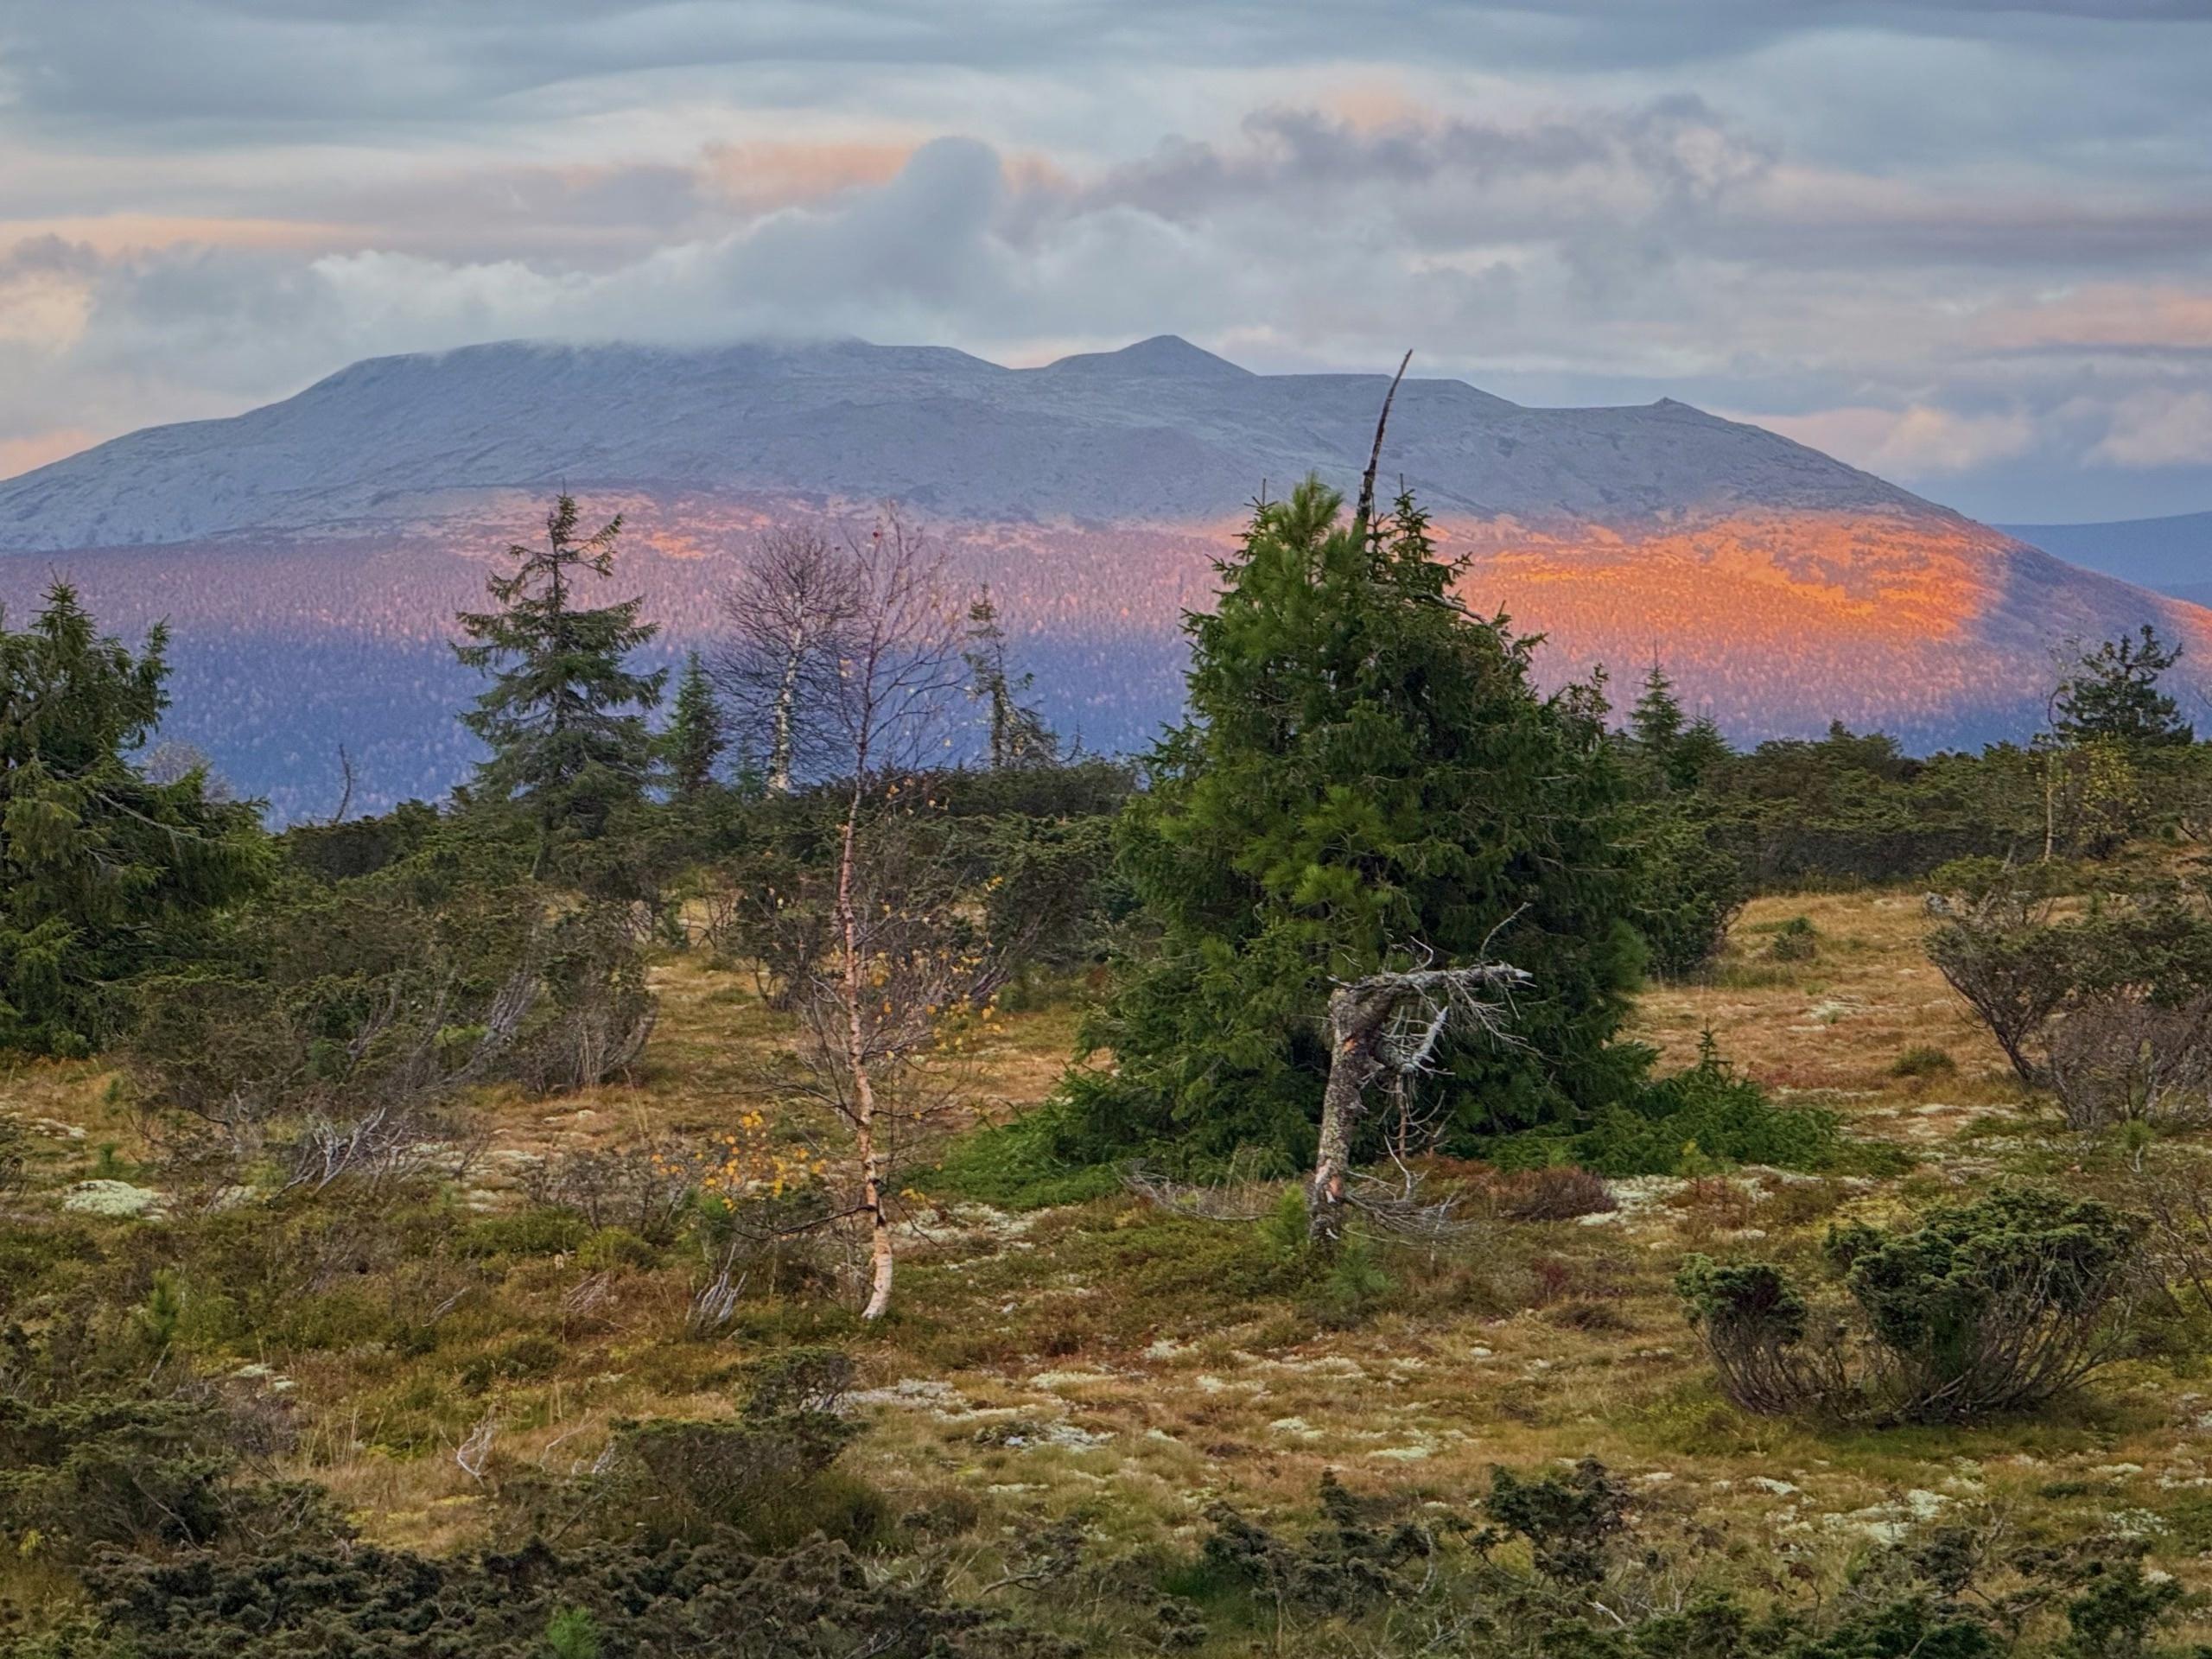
x=788, y=614
x=886, y=1007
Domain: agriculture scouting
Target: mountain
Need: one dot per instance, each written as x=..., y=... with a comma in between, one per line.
x=2172, y=556
x=1159, y=431
x=309, y=553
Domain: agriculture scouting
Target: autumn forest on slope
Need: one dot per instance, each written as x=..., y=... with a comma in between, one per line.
x=309, y=555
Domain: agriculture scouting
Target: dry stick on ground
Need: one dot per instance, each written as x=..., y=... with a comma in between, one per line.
x=1388, y=1025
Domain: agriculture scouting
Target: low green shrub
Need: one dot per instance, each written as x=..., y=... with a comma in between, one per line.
x=629, y=1599
x=616, y=1247
x=1980, y=1308
x=1018, y=1166
x=139, y=1473
x=1923, y=1060
x=1572, y=1520
x=1795, y=940
x=1690, y=1122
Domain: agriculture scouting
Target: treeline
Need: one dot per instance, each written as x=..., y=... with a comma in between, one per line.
x=855, y=802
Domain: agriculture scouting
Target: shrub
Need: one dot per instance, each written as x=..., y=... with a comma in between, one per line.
x=1353, y=1281
x=1344, y=1564
x=1984, y=1307
x=15, y=1150
x=1555, y=1192
x=801, y=1382
x=1571, y=1519
x=1923, y=1060
x=1755, y=1325
x=1999, y=948
x=767, y=1474
x=1992, y=1306
x=645, y=1187
x=140, y=1472
x=2113, y=1006
x=2116, y=1060
x=1020, y=1166
x=629, y=1600
x=1795, y=940
x=1691, y=1121
x=771, y=1481
x=528, y=1232
x=616, y=1247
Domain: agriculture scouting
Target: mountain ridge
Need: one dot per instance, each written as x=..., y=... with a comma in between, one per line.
x=310, y=554
x=1158, y=429
x=2170, y=554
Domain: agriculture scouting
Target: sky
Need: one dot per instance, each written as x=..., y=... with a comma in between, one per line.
x=1964, y=244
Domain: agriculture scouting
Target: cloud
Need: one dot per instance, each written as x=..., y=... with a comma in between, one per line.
x=2102, y=316
x=1963, y=241
x=220, y=66
x=1918, y=442
x=2162, y=427
x=45, y=296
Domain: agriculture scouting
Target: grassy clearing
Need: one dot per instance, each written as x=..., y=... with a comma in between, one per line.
x=1108, y=1361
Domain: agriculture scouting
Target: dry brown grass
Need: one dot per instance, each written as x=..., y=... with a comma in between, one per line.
x=1126, y=1329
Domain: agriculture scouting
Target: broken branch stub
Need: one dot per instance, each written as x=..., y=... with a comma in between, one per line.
x=1388, y=1025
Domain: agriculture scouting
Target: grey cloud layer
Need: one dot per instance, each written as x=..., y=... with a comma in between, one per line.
x=1600, y=200
x=231, y=61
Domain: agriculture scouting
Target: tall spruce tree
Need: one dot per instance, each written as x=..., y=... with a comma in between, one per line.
x=564, y=716
x=696, y=736
x=105, y=873
x=1656, y=722
x=1366, y=780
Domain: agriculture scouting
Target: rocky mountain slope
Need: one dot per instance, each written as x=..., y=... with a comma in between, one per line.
x=309, y=553
x=1159, y=431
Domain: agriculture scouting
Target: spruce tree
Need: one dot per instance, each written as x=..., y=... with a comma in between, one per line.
x=564, y=716
x=2112, y=695
x=694, y=739
x=1656, y=722
x=1018, y=734
x=104, y=872
x=1366, y=780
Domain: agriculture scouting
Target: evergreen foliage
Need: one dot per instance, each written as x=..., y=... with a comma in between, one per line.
x=1656, y=722
x=564, y=716
x=1707, y=1116
x=2112, y=693
x=103, y=873
x=1366, y=773
x=1018, y=734
x=695, y=737
x=1993, y=1306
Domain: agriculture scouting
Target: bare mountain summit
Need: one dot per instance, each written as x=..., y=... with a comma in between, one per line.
x=310, y=552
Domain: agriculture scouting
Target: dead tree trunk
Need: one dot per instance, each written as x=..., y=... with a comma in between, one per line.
x=1388, y=1025
x=1357, y=1014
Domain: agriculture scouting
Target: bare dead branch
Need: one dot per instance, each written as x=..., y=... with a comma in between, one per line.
x=1364, y=516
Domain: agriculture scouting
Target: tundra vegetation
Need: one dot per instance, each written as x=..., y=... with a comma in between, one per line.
x=1414, y=1164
